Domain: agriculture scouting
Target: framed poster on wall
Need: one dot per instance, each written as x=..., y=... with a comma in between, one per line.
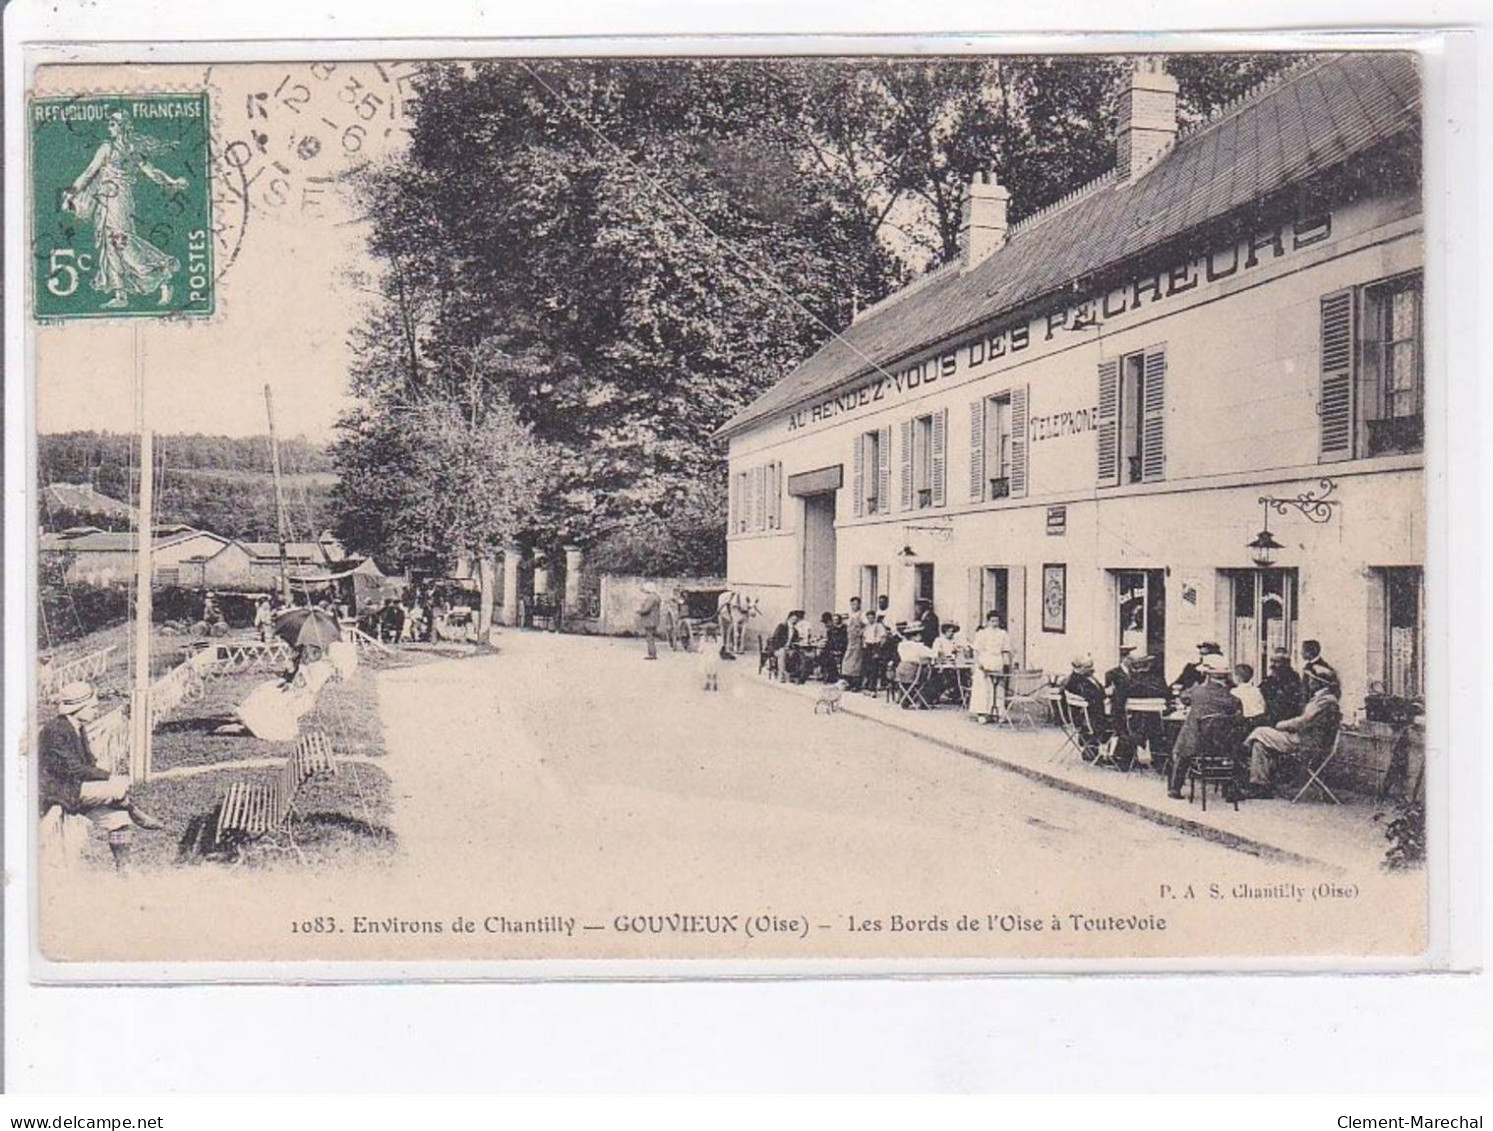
x=1055, y=598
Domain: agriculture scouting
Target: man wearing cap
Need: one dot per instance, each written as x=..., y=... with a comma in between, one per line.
x=1313, y=663
x=71, y=780
x=927, y=622
x=648, y=617
x=1081, y=682
x=1282, y=689
x=1205, y=700
x=1308, y=737
x=1192, y=673
x=1135, y=678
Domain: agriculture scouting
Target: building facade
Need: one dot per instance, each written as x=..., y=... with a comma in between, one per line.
x=1076, y=423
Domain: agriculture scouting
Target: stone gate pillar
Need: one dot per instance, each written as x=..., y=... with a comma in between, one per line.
x=574, y=560
x=511, y=555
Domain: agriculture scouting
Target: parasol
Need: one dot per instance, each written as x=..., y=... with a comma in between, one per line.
x=308, y=626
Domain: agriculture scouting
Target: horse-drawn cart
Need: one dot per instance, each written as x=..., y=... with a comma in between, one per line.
x=698, y=618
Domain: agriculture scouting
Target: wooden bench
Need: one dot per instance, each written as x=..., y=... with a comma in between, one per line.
x=253, y=808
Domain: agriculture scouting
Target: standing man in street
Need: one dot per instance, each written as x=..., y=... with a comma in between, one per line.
x=648, y=617
x=73, y=781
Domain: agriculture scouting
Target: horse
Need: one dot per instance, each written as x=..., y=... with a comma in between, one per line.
x=741, y=612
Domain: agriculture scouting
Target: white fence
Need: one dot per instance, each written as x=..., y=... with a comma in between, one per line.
x=52, y=677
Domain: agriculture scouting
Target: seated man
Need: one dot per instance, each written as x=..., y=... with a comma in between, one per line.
x=1096, y=729
x=1207, y=700
x=1192, y=672
x=1141, y=681
x=73, y=781
x=1307, y=738
x=1281, y=689
x=786, y=642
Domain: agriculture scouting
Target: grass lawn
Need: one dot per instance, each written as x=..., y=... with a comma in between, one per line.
x=343, y=819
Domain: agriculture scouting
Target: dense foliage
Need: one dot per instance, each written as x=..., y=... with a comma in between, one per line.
x=625, y=252
x=217, y=483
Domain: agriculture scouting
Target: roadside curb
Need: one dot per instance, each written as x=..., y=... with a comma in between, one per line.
x=1156, y=816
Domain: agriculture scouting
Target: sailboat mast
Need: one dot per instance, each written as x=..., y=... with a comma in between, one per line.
x=269, y=408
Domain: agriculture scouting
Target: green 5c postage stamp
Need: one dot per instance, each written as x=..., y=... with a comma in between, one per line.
x=122, y=223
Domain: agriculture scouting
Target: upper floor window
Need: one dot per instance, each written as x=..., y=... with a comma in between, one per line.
x=1372, y=393
x=998, y=445
x=1132, y=418
x=871, y=458
x=922, y=461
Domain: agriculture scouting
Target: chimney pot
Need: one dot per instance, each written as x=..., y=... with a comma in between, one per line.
x=982, y=219
x=1148, y=117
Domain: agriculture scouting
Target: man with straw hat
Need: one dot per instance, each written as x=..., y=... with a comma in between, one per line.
x=73, y=782
x=1206, y=700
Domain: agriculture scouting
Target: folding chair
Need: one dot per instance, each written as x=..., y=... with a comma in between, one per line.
x=1024, y=690
x=912, y=693
x=1083, y=723
x=1314, y=774
x=1146, y=707
x=1073, y=734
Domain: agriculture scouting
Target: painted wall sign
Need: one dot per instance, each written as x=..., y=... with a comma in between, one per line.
x=1140, y=292
x=1057, y=521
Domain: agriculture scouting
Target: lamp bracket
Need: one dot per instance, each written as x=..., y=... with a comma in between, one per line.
x=1314, y=505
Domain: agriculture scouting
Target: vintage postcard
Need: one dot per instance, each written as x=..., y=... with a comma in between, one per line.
x=940, y=511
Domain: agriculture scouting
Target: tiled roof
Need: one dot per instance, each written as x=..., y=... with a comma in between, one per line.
x=1311, y=119
x=82, y=497
x=116, y=541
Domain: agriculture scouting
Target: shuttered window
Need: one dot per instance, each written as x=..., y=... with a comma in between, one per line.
x=1018, y=474
x=1153, y=422
x=977, y=449
x=759, y=498
x=939, y=458
x=883, y=470
x=1335, y=395
x=904, y=447
x=1109, y=423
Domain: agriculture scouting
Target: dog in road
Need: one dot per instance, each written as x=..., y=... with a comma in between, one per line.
x=829, y=697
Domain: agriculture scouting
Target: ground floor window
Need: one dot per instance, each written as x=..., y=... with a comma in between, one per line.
x=1396, y=618
x=870, y=587
x=922, y=582
x=1140, y=607
x=1263, y=604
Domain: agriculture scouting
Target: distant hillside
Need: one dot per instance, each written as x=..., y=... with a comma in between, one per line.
x=218, y=483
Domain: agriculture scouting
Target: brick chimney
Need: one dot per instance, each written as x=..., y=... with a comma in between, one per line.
x=1148, y=117
x=982, y=219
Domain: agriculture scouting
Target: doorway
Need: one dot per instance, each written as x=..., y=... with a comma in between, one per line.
x=819, y=554
x=1263, y=607
x=1001, y=589
x=1140, y=613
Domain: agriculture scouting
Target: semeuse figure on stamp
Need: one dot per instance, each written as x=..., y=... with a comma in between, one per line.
x=105, y=194
x=72, y=781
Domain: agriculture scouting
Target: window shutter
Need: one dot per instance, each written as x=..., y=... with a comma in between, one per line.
x=777, y=496
x=974, y=613
x=883, y=470
x=858, y=476
x=977, y=450
x=738, y=515
x=1109, y=424
x=733, y=506
x=772, y=495
x=1335, y=399
x=1153, y=434
x=906, y=454
x=1378, y=633
x=759, y=497
x=940, y=455
x=1018, y=441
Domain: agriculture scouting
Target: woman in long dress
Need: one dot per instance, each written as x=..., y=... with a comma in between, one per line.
x=992, y=646
x=128, y=264
x=855, y=645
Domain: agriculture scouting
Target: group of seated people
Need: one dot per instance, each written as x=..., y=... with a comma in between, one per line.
x=869, y=653
x=1270, y=727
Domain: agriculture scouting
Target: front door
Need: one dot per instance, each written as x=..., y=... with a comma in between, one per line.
x=819, y=555
x=1264, y=615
